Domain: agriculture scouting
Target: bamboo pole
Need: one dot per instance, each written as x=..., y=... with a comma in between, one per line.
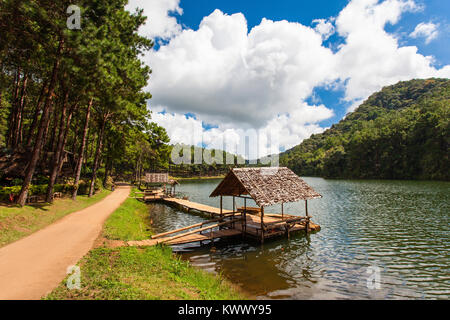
x=234, y=209
x=307, y=216
x=262, y=224
x=190, y=227
x=221, y=207
x=195, y=231
x=244, y=221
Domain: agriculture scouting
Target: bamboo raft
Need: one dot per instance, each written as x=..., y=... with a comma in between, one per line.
x=229, y=224
x=265, y=186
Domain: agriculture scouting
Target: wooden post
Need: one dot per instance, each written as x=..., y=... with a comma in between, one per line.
x=234, y=210
x=262, y=224
x=221, y=208
x=244, y=221
x=282, y=210
x=307, y=216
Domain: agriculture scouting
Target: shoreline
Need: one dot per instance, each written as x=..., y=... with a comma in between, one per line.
x=113, y=271
x=197, y=178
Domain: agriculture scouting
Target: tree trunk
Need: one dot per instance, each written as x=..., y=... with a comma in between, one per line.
x=13, y=113
x=36, y=115
x=17, y=135
x=107, y=166
x=58, y=150
x=53, y=139
x=66, y=134
x=97, y=156
x=81, y=153
x=43, y=124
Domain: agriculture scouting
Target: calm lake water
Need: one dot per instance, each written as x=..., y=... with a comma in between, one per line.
x=399, y=228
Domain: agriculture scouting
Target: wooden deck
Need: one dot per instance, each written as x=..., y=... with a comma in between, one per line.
x=224, y=225
x=189, y=205
x=203, y=237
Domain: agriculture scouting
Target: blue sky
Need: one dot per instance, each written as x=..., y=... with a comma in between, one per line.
x=305, y=12
x=285, y=68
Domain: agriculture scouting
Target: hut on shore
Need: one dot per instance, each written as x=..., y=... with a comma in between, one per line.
x=157, y=181
x=267, y=187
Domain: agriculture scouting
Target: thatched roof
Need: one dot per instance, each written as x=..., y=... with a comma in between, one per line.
x=267, y=186
x=157, y=177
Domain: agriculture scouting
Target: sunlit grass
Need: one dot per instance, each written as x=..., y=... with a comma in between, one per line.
x=17, y=222
x=141, y=273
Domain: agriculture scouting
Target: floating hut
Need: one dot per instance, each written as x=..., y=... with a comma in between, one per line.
x=159, y=185
x=267, y=187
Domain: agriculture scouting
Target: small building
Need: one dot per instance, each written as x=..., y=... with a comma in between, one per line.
x=267, y=187
x=157, y=178
x=155, y=181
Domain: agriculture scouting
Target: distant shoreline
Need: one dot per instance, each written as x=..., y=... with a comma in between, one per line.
x=197, y=178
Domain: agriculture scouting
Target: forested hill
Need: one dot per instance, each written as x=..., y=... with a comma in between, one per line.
x=401, y=132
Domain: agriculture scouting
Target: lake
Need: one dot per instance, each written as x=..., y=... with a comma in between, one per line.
x=379, y=240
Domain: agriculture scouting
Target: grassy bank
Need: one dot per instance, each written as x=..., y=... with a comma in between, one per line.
x=140, y=273
x=16, y=222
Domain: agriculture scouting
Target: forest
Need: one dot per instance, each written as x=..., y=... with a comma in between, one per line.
x=73, y=109
x=203, y=162
x=401, y=132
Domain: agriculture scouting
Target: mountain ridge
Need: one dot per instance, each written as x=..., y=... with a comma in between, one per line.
x=400, y=132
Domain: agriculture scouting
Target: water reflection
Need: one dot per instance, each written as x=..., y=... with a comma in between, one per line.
x=400, y=226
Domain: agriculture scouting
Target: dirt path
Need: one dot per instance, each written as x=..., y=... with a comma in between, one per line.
x=32, y=267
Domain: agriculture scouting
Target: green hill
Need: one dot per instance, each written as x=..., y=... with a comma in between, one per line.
x=401, y=132
x=203, y=162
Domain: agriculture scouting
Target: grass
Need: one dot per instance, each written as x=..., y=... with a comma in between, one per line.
x=128, y=222
x=17, y=222
x=132, y=273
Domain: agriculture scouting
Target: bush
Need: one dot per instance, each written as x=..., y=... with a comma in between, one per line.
x=33, y=190
x=41, y=189
x=109, y=182
x=17, y=182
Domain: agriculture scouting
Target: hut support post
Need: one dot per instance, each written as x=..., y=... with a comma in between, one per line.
x=244, y=221
x=282, y=210
x=234, y=209
x=307, y=216
x=262, y=224
x=221, y=208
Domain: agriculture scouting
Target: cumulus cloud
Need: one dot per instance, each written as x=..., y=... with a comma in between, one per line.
x=324, y=27
x=160, y=23
x=429, y=31
x=227, y=74
x=372, y=58
x=238, y=79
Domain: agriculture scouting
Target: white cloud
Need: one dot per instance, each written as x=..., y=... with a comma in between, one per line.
x=159, y=22
x=226, y=74
x=371, y=58
x=238, y=79
x=427, y=30
x=324, y=27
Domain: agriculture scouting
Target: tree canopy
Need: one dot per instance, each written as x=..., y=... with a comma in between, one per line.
x=72, y=100
x=401, y=132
